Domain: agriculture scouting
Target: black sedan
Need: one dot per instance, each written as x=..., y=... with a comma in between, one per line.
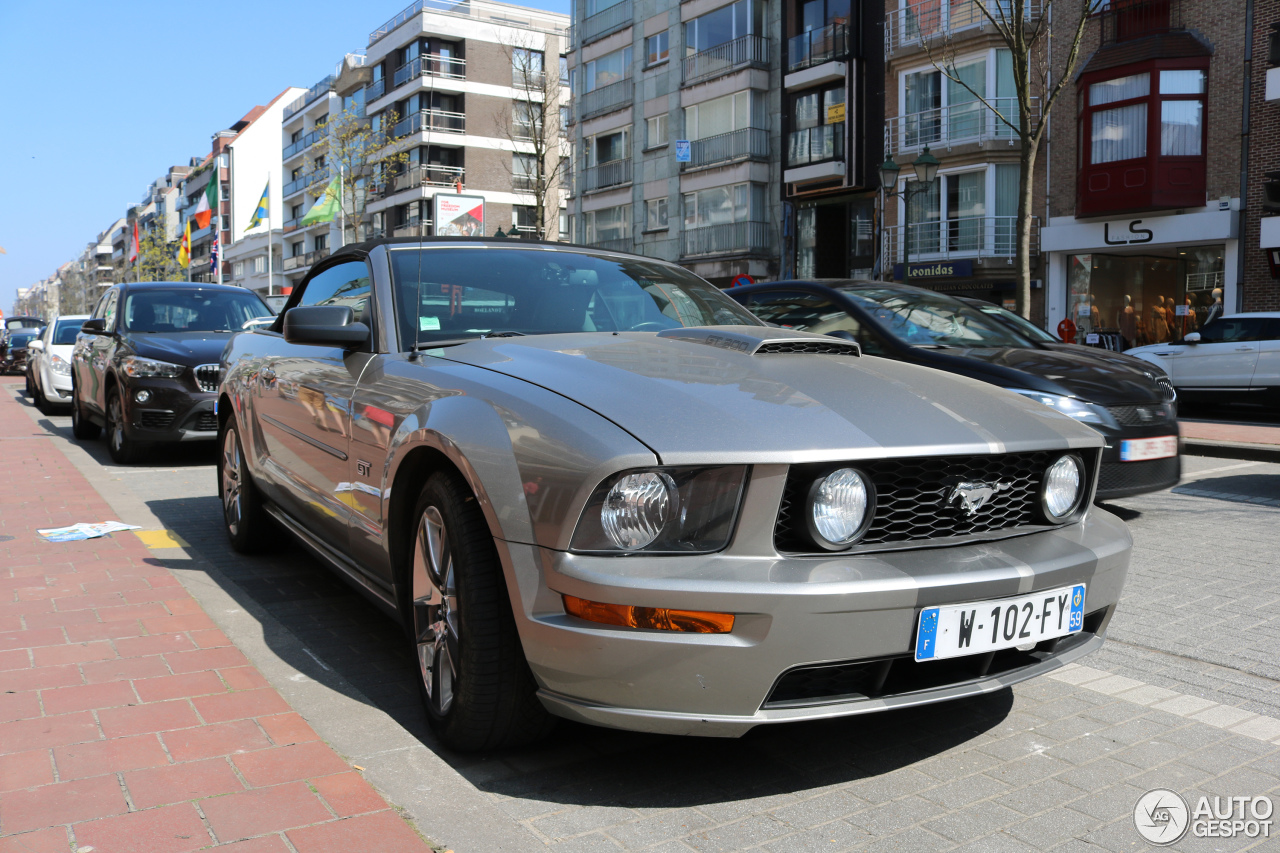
x=147, y=365
x=1125, y=403
x=13, y=349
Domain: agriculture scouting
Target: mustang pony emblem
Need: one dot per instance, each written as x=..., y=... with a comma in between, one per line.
x=974, y=496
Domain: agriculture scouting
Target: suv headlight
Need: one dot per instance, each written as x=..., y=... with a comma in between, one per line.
x=149, y=368
x=59, y=365
x=1087, y=413
x=661, y=511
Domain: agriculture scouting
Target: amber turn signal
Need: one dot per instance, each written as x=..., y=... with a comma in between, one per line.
x=656, y=618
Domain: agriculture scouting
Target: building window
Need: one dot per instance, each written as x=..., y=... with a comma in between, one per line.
x=956, y=215
x=564, y=70
x=721, y=115
x=524, y=171
x=296, y=211
x=724, y=205
x=296, y=135
x=607, y=69
x=297, y=249
x=526, y=68
x=565, y=118
x=524, y=220
x=656, y=48
x=818, y=122
x=596, y=6
x=322, y=242
x=524, y=119
x=1119, y=132
x=938, y=109
x=656, y=131
x=611, y=223
x=655, y=214
x=565, y=219
x=723, y=25
x=608, y=147
x=237, y=269
x=260, y=264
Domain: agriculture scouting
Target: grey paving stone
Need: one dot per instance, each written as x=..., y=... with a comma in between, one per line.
x=1110, y=803
x=661, y=827
x=914, y=840
x=1032, y=799
x=576, y=821
x=819, y=810
x=1053, y=827
x=1024, y=771
x=1095, y=775
x=961, y=792
x=894, y=816
x=973, y=821
x=736, y=836
x=828, y=838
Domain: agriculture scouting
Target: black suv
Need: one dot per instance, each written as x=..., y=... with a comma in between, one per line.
x=147, y=365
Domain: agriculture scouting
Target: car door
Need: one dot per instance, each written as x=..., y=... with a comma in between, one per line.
x=1225, y=357
x=94, y=352
x=1266, y=374
x=813, y=312
x=302, y=400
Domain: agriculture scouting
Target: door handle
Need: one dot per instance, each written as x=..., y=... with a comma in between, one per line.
x=1244, y=349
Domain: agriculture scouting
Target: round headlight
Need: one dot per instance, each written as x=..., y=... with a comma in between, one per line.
x=839, y=508
x=637, y=508
x=1063, y=487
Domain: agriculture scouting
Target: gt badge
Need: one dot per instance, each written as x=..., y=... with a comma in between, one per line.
x=363, y=468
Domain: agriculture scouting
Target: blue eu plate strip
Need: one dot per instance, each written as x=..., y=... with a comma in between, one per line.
x=927, y=636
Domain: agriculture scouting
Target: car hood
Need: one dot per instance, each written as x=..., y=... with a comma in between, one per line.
x=189, y=348
x=692, y=402
x=1108, y=379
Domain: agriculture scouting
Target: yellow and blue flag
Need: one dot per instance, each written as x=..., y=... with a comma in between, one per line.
x=262, y=211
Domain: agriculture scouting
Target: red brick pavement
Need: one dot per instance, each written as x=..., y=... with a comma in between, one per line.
x=1247, y=433
x=128, y=721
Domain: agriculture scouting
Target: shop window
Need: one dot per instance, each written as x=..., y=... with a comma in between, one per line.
x=1142, y=140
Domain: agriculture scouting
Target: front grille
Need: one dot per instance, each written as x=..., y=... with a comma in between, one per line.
x=206, y=422
x=912, y=497
x=155, y=419
x=894, y=676
x=1166, y=389
x=207, y=377
x=1130, y=477
x=1146, y=414
x=814, y=347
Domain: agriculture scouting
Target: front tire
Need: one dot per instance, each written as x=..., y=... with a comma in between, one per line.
x=475, y=683
x=81, y=427
x=123, y=450
x=247, y=524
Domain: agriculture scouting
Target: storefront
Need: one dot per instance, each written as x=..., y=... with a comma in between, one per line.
x=835, y=236
x=1139, y=280
x=961, y=278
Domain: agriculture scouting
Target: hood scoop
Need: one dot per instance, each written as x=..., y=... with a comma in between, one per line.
x=763, y=340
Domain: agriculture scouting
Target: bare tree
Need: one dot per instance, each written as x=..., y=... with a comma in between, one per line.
x=362, y=155
x=535, y=129
x=1028, y=37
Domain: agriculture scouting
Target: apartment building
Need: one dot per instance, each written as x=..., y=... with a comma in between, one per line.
x=1144, y=243
x=674, y=121
x=458, y=85
x=1260, y=290
x=958, y=234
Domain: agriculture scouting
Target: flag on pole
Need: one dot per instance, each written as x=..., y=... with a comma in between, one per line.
x=325, y=208
x=133, y=246
x=184, y=247
x=213, y=251
x=209, y=201
x=263, y=209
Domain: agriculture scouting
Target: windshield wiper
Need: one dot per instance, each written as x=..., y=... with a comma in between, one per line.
x=505, y=333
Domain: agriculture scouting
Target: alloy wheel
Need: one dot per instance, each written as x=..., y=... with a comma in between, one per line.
x=231, y=482
x=115, y=415
x=435, y=610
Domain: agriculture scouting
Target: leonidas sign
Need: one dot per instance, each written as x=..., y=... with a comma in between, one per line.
x=935, y=269
x=1137, y=231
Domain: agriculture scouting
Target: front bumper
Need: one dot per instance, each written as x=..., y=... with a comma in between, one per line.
x=1119, y=479
x=173, y=412
x=14, y=363
x=796, y=614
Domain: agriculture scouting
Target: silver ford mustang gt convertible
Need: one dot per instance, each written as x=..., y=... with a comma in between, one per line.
x=591, y=486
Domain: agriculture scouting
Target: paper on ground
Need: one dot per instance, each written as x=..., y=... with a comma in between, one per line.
x=84, y=530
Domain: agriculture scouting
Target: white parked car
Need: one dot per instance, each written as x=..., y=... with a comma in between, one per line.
x=49, y=362
x=1233, y=360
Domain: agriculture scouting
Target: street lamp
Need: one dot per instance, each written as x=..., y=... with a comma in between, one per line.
x=926, y=169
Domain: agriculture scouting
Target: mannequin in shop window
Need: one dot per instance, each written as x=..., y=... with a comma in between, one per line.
x=1215, y=310
x=1171, y=318
x=1127, y=323
x=1095, y=316
x=1159, y=329
x=1190, y=322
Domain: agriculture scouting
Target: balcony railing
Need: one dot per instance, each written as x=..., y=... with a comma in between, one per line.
x=436, y=121
x=524, y=18
x=524, y=183
x=430, y=65
x=528, y=79
x=606, y=99
x=1125, y=20
x=920, y=21
x=291, y=224
x=300, y=184
x=1203, y=281
x=971, y=237
x=413, y=229
x=301, y=261
x=425, y=176
x=744, y=52
x=815, y=144
x=602, y=23
x=955, y=124
x=304, y=143
x=747, y=143
x=727, y=238
x=617, y=244
x=375, y=90
x=300, y=103
x=615, y=173
x=817, y=46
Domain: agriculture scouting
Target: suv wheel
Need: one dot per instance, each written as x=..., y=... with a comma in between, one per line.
x=247, y=523
x=123, y=450
x=81, y=427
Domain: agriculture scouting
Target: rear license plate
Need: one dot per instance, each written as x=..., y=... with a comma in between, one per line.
x=1138, y=449
x=987, y=626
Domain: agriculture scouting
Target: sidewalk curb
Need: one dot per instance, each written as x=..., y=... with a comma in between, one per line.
x=442, y=803
x=1247, y=451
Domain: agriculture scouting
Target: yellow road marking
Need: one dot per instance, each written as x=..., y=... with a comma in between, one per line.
x=161, y=539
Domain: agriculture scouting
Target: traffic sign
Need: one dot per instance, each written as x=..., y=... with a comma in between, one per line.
x=684, y=151
x=742, y=280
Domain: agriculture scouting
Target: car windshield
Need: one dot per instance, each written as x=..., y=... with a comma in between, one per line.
x=921, y=318
x=64, y=334
x=191, y=310
x=1021, y=325
x=454, y=292
x=21, y=340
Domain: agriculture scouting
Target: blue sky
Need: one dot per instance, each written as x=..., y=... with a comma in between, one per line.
x=104, y=97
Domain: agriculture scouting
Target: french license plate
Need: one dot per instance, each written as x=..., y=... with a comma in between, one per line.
x=1138, y=449
x=987, y=626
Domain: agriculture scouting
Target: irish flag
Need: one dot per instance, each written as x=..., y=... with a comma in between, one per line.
x=209, y=201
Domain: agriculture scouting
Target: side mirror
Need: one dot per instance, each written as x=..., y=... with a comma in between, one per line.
x=325, y=326
x=1192, y=337
x=96, y=326
x=36, y=345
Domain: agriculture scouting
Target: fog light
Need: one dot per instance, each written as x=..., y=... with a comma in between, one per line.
x=142, y=396
x=1063, y=487
x=838, y=508
x=656, y=618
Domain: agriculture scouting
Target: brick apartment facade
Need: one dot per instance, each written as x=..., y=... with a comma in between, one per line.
x=1261, y=280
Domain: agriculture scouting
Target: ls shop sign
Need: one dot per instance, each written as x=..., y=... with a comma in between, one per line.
x=934, y=269
x=1177, y=229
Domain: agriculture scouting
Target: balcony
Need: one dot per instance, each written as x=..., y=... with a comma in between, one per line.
x=921, y=21
x=615, y=173
x=425, y=176
x=300, y=103
x=432, y=121
x=302, y=183
x=817, y=46
x=727, y=238
x=1126, y=20
x=302, y=261
x=374, y=90
x=291, y=225
x=517, y=16
x=972, y=237
x=524, y=183
x=747, y=143
x=413, y=229
x=606, y=99
x=958, y=124
x=528, y=79
x=744, y=52
x=815, y=144
x=295, y=148
x=428, y=65
x=603, y=23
